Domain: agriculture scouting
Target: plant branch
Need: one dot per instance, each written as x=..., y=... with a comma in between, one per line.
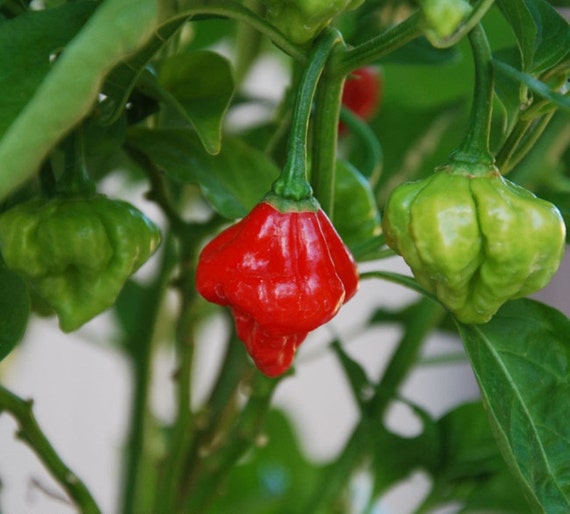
x=426, y=315
x=31, y=433
x=140, y=345
x=475, y=145
x=325, y=135
x=292, y=184
x=377, y=47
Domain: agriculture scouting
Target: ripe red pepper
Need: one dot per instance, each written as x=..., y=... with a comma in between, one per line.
x=362, y=92
x=283, y=274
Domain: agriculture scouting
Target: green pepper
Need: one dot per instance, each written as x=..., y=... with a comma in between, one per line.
x=302, y=20
x=475, y=241
x=356, y=216
x=442, y=18
x=76, y=252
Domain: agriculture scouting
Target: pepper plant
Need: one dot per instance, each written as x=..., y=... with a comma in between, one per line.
x=447, y=151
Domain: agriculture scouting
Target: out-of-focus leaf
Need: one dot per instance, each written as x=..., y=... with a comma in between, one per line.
x=275, y=478
x=202, y=98
x=521, y=359
x=233, y=181
x=14, y=310
x=27, y=43
x=470, y=469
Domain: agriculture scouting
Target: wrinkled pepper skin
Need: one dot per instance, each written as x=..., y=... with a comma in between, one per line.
x=282, y=274
x=474, y=241
x=442, y=18
x=76, y=252
x=302, y=20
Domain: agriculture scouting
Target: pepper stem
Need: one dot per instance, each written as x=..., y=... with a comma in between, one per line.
x=75, y=178
x=475, y=146
x=293, y=182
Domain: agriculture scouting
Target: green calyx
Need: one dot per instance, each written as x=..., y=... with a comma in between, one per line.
x=475, y=241
x=76, y=252
x=283, y=204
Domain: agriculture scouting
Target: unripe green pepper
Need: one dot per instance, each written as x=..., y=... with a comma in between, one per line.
x=302, y=20
x=356, y=216
x=443, y=17
x=76, y=252
x=475, y=241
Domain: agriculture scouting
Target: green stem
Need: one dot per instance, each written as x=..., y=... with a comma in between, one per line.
x=397, y=278
x=219, y=412
x=377, y=47
x=140, y=345
x=372, y=161
x=334, y=479
x=292, y=183
x=475, y=146
x=243, y=436
x=521, y=140
x=182, y=431
x=75, y=178
x=325, y=134
x=426, y=314
x=31, y=433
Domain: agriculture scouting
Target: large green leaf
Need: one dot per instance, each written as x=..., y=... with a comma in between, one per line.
x=522, y=362
x=202, y=98
x=26, y=44
x=14, y=310
x=233, y=181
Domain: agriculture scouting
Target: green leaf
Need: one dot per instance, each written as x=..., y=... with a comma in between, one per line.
x=28, y=41
x=521, y=359
x=395, y=457
x=202, y=98
x=14, y=310
x=120, y=82
x=535, y=85
x=470, y=468
x=543, y=35
x=521, y=21
x=508, y=88
x=233, y=181
x=359, y=383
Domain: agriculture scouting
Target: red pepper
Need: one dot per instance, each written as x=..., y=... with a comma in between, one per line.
x=283, y=274
x=362, y=92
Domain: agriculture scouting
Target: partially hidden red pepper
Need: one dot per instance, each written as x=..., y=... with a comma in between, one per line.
x=283, y=274
x=362, y=92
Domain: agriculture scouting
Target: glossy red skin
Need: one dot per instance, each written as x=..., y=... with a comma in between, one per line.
x=282, y=275
x=362, y=92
